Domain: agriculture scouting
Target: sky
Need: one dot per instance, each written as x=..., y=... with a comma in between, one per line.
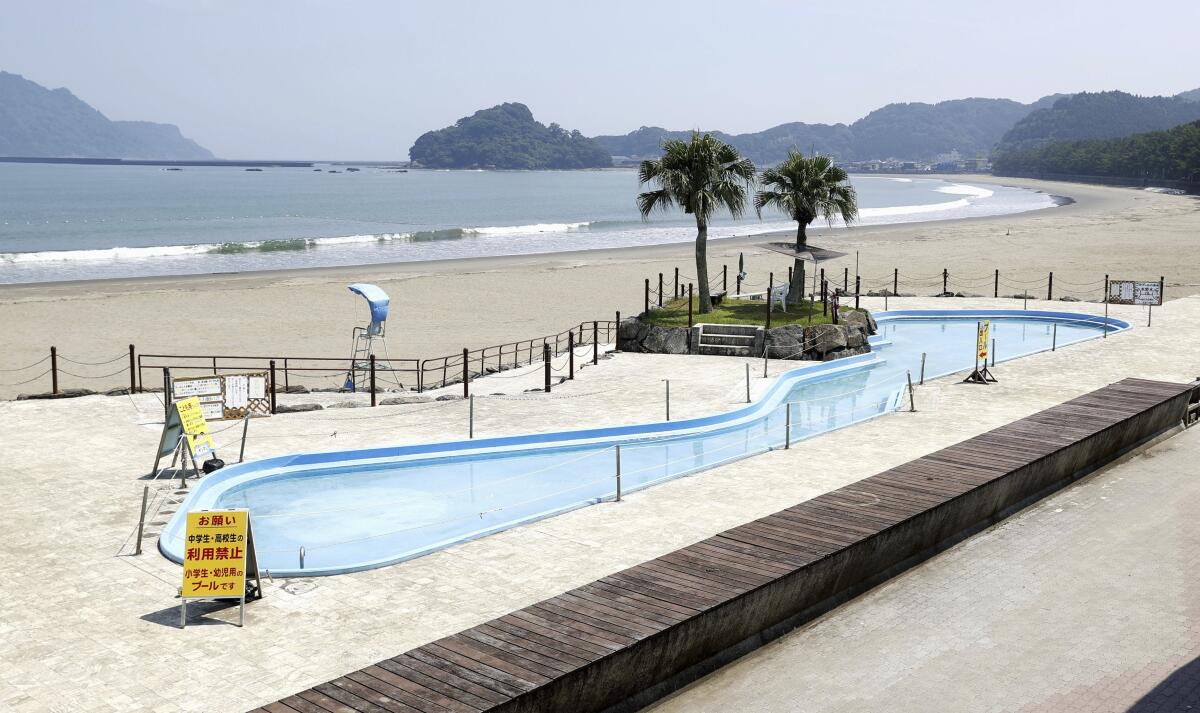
x=360, y=80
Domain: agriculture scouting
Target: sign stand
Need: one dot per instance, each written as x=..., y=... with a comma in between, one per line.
x=981, y=375
x=220, y=536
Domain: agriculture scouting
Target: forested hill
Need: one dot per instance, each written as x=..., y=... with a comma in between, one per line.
x=507, y=136
x=1098, y=115
x=912, y=131
x=1173, y=154
x=36, y=121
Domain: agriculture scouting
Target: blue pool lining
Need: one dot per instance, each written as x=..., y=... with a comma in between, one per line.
x=209, y=491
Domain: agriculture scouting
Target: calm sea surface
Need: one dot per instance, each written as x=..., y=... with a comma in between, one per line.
x=60, y=222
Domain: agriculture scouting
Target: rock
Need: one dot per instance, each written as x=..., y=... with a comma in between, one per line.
x=296, y=389
x=119, y=391
x=785, y=342
x=401, y=400
x=346, y=404
x=1068, y=298
x=825, y=338
x=856, y=336
x=297, y=408
x=676, y=341
x=860, y=318
x=62, y=394
x=449, y=397
x=655, y=340
x=943, y=294
x=530, y=391
x=630, y=334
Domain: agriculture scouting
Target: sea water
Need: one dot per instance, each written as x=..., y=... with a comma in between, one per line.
x=71, y=222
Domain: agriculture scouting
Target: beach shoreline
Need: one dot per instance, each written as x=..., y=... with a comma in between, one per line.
x=441, y=307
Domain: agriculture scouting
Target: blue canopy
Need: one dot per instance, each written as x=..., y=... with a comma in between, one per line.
x=378, y=300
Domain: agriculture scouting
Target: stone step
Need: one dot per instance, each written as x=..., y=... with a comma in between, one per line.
x=735, y=340
x=730, y=329
x=724, y=350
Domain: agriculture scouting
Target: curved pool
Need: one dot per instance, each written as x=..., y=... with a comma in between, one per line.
x=355, y=510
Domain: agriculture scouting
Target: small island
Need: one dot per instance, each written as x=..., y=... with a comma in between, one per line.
x=507, y=137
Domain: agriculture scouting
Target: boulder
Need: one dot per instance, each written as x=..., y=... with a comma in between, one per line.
x=785, y=342
x=449, y=397
x=346, y=404
x=825, y=338
x=1068, y=298
x=401, y=400
x=297, y=408
x=62, y=394
x=119, y=391
x=295, y=389
x=860, y=318
x=676, y=341
x=856, y=336
x=655, y=340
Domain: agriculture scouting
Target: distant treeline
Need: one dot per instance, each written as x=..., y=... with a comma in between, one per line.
x=1173, y=154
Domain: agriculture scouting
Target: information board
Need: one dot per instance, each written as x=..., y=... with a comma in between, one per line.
x=1135, y=292
x=219, y=561
x=226, y=396
x=984, y=330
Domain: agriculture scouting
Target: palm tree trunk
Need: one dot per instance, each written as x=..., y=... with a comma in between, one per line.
x=702, y=265
x=796, y=289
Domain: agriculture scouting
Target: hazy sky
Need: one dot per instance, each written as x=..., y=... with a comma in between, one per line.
x=331, y=79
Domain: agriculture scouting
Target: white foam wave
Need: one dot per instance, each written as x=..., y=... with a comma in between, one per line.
x=962, y=189
x=525, y=229
x=912, y=209
x=175, y=251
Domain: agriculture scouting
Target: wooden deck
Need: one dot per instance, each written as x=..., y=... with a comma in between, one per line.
x=629, y=638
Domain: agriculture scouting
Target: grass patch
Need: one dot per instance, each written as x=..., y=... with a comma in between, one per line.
x=675, y=313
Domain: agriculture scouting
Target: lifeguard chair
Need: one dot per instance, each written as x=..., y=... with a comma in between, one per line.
x=365, y=338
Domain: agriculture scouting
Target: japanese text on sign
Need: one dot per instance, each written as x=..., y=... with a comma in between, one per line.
x=195, y=428
x=1132, y=292
x=214, y=557
x=984, y=331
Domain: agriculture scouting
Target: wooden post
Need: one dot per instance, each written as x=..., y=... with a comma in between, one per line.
x=54, y=370
x=617, y=337
x=789, y=274
x=272, y=386
x=787, y=427
x=922, y=369
x=676, y=283
x=286, y=384
x=466, y=375
x=646, y=298
x=945, y=280
x=845, y=280
x=132, y=371
x=546, y=361
x=770, y=286
x=371, y=361
x=1050, y=287
x=595, y=342
x=822, y=290
x=747, y=382
x=571, y=354
x=739, y=283
x=1054, y=337
x=471, y=417
x=800, y=297
x=725, y=278
x=689, y=305
x=895, y=280
x=660, y=289
x=668, y=383
x=857, y=289
x=996, y=289
x=824, y=296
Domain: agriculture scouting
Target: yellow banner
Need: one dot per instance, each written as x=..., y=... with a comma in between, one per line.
x=195, y=428
x=984, y=331
x=214, y=558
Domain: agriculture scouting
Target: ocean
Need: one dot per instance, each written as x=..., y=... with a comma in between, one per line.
x=70, y=222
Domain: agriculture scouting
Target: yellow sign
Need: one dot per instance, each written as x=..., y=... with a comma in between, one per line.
x=195, y=428
x=984, y=331
x=215, y=555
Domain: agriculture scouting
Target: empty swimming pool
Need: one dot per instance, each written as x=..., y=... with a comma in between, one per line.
x=354, y=510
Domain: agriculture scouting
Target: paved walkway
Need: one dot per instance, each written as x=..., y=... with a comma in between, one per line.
x=87, y=627
x=1087, y=601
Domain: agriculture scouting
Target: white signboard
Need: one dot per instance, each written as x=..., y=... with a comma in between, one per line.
x=1132, y=292
x=183, y=388
x=226, y=395
x=237, y=391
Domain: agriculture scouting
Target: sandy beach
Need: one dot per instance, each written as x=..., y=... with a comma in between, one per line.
x=440, y=307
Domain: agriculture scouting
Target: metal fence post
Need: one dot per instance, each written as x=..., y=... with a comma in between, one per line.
x=132, y=371
x=912, y=404
x=770, y=287
x=618, y=472
x=676, y=283
x=245, y=428
x=272, y=386
x=646, y=297
x=546, y=361
x=689, y=305
x=725, y=278
x=571, y=354
x=167, y=392
x=922, y=368
x=857, y=289
x=54, y=370
x=1054, y=337
x=137, y=550
x=1050, y=287
x=895, y=280
x=993, y=351
x=660, y=289
x=996, y=288
x=471, y=417
x=617, y=336
x=668, y=383
x=595, y=342
x=945, y=280
x=747, y=382
x=372, y=376
x=845, y=279
x=1105, y=334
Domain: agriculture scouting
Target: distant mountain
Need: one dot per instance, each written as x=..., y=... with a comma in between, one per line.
x=1192, y=96
x=507, y=136
x=914, y=131
x=35, y=121
x=1097, y=115
x=1173, y=154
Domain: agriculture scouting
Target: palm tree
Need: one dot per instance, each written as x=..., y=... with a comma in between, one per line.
x=700, y=176
x=807, y=189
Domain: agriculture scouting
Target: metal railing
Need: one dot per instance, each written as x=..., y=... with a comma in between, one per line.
x=403, y=373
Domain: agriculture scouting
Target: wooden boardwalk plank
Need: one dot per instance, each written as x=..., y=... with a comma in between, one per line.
x=515, y=655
